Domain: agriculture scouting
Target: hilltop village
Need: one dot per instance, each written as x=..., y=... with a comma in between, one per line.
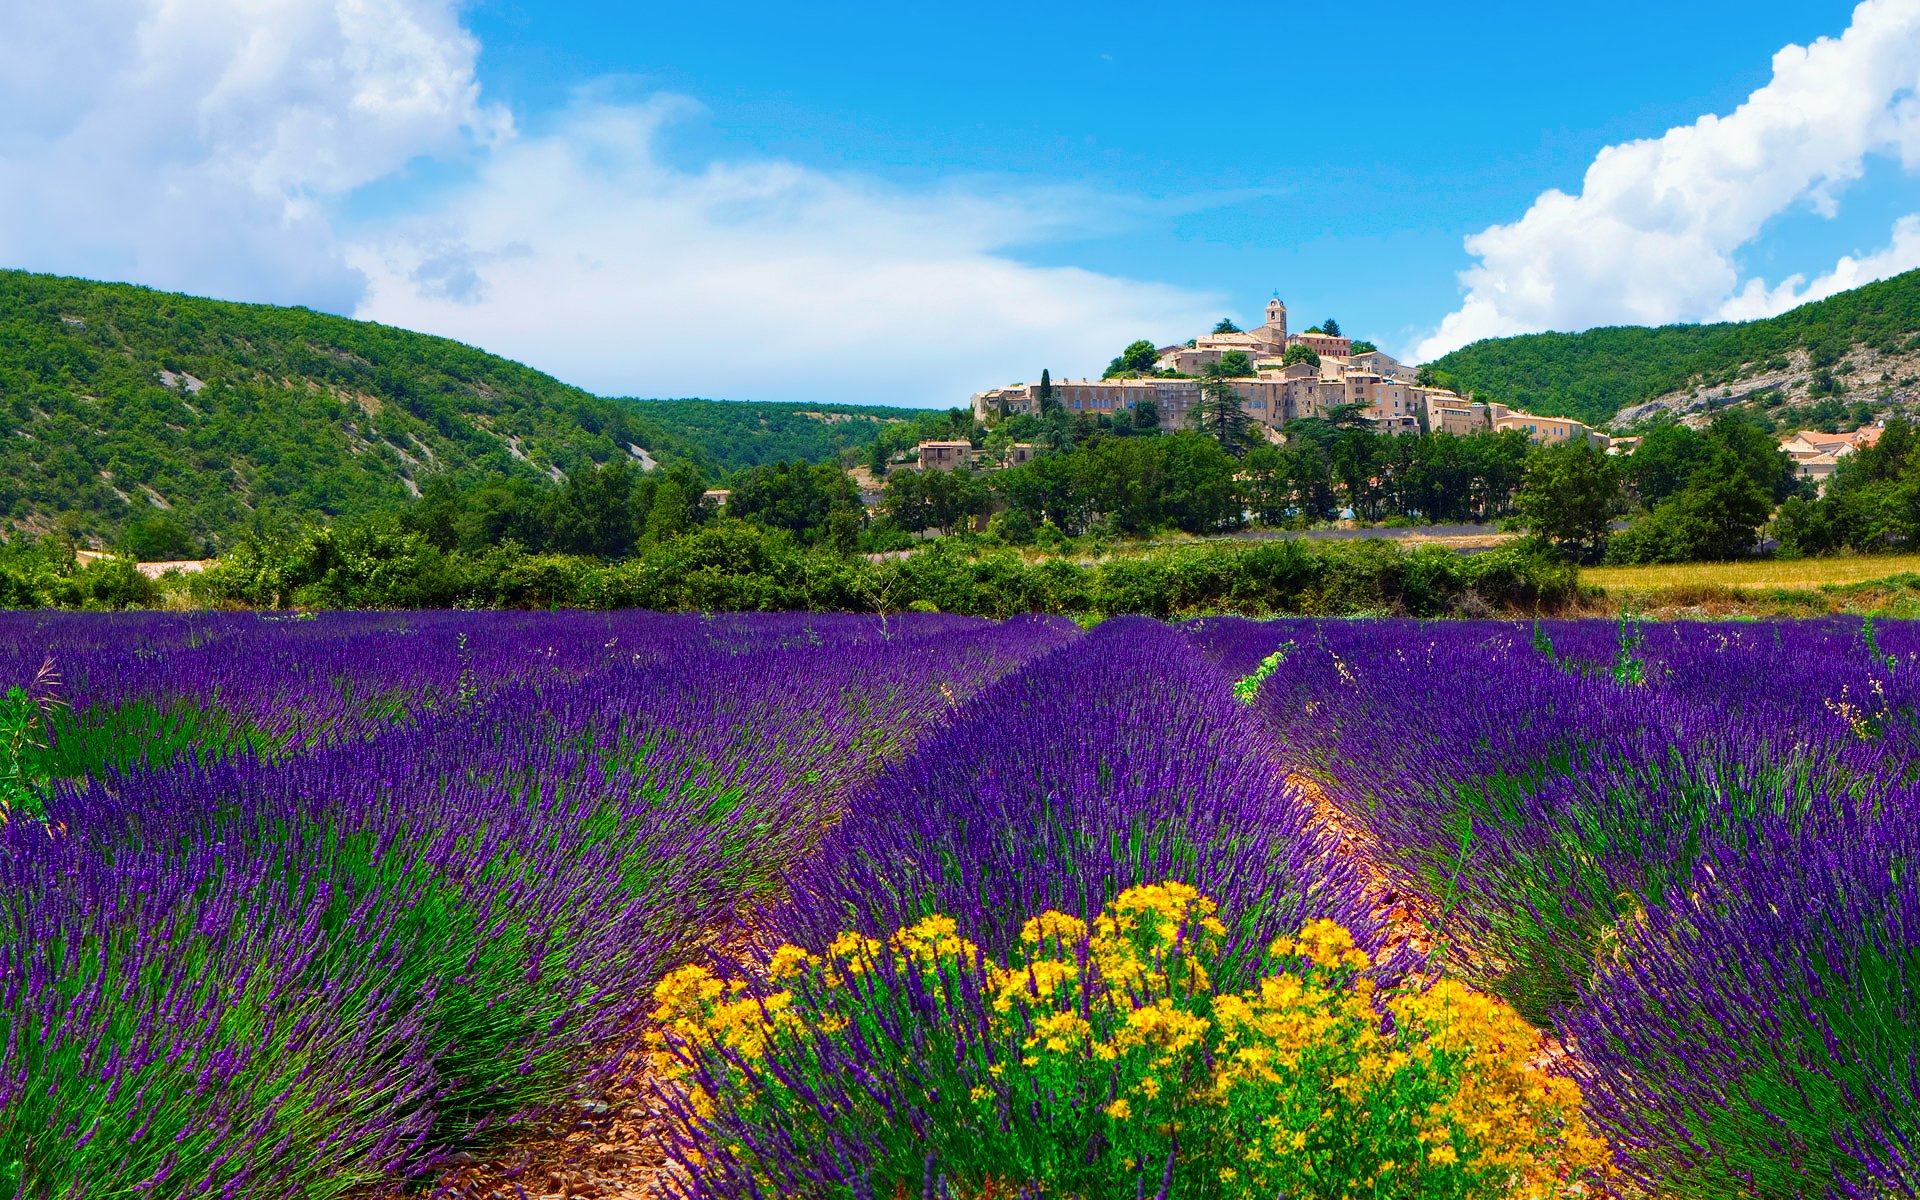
x=1279, y=377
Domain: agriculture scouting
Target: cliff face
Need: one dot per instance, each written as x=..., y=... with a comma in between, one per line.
x=1887, y=383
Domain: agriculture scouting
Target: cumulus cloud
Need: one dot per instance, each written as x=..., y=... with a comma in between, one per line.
x=1653, y=235
x=218, y=146
x=1756, y=299
x=580, y=251
x=199, y=145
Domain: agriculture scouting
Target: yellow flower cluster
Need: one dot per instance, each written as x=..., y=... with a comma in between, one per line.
x=1263, y=1090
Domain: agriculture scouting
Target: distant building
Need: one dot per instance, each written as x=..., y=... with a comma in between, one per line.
x=1021, y=452
x=1386, y=389
x=1817, y=456
x=945, y=456
x=717, y=497
x=1450, y=413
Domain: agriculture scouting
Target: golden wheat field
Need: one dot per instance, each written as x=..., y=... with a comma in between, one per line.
x=1798, y=573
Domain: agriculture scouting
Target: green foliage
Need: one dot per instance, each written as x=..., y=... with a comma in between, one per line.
x=1225, y=325
x=268, y=411
x=1339, y=463
x=1330, y=327
x=604, y=512
x=743, y=566
x=803, y=500
x=1130, y=486
x=729, y=435
x=1592, y=375
x=1717, y=516
x=42, y=573
x=1247, y=689
x=1234, y=364
x=26, y=712
x=933, y=499
x=1568, y=497
x=1137, y=359
x=1363, y=347
x=1871, y=502
x=1299, y=354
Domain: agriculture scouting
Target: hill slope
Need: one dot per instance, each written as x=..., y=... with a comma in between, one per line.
x=736, y=433
x=117, y=402
x=1854, y=346
x=122, y=405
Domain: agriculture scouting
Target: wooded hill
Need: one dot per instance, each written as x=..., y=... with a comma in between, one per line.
x=1873, y=330
x=735, y=434
x=181, y=421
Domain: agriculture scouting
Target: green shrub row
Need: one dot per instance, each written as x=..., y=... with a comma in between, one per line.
x=736, y=566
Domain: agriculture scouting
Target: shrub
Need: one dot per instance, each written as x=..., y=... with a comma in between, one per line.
x=1100, y=1060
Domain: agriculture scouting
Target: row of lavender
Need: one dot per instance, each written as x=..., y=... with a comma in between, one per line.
x=428, y=890
x=1075, y=787
x=1690, y=850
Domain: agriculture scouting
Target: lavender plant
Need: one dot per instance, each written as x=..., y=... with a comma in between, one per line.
x=305, y=971
x=1110, y=762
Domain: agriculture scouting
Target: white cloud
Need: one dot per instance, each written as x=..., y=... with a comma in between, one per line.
x=581, y=252
x=198, y=144
x=1758, y=300
x=1653, y=234
x=211, y=146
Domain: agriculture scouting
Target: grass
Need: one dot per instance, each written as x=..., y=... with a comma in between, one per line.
x=1757, y=575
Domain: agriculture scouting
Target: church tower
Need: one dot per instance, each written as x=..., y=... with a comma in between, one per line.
x=1277, y=319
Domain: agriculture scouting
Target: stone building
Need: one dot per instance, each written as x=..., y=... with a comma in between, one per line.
x=1387, y=390
x=945, y=456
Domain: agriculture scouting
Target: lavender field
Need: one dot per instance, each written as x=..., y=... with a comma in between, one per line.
x=835, y=906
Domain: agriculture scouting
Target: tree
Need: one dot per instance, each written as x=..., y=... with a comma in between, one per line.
x=158, y=538
x=1767, y=464
x=1364, y=347
x=1726, y=507
x=1220, y=416
x=1146, y=416
x=1330, y=327
x=1717, y=516
x=797, y=497
x=1045, y=394
x=941, y=500
x=1137, y=359
x=1299, y=354
x=1567, y=497
x=1234, y=364
x=1226, y=325
x=1668, y=456
x=593, y=513
x=671, y=513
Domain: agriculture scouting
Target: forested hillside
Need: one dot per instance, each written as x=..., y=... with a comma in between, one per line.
x=1805, y=354
x=120, y=405
x=169, y=424
x=735, y=434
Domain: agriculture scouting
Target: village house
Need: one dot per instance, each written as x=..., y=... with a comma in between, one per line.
x=1452, y=414
x=1817, y=455
x=945, y=456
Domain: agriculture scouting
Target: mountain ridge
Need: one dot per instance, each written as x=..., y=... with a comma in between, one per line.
x=1866, y=341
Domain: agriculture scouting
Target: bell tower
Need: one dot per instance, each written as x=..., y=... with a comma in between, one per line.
x=1277, y=317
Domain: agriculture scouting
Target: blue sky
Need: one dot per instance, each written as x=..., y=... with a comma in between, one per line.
x=1345, y=173
x=906, y=203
